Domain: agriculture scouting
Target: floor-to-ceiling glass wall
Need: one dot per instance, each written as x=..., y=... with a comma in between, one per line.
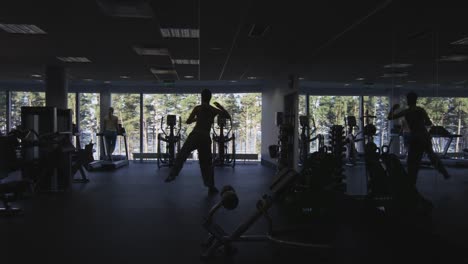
x=157, y=106
x=326, y=111
x=451, y=114
x=72, y=105
x=246, y=112
x=3, y=117
x=90, y=121
x=20, y=99
x=127, y=109
x=378, y=106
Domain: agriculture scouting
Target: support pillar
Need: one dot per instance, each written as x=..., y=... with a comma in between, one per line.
x=8, y=111
x=56, y=86
x=104, y=104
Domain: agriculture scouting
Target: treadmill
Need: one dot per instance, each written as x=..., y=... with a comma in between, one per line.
x=441, y=132
x=115, y=161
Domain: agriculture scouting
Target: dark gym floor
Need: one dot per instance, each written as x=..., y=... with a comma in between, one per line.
x=132, y=216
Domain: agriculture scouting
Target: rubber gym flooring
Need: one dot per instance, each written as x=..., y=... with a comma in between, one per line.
x=131, y=216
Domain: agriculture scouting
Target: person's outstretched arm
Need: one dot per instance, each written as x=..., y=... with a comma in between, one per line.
x=427, y=120
x=223, y=111
x=391, y=115
x=193, y=116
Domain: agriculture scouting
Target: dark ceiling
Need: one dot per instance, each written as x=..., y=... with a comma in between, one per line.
x=337, y=41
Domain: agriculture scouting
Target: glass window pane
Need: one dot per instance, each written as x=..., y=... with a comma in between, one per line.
x=246, y=112
x=2, y=112
x=20, y=99
x=72, y=105
x=156, y=106
x=90, y=121
x=127, y=109
x=378, y=106
x=451, y=114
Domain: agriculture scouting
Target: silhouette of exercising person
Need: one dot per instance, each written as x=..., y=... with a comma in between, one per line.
x=420, y=139
x=200, y=139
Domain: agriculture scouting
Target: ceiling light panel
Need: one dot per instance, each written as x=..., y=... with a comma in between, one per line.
x=162, y=71
x=396, y=74
x=149, y=51
x=463, y=41
x=74, y=59
x=185, y=62
x=397, y=65
x=454, y=58
x=22, y=29
x=180, y=33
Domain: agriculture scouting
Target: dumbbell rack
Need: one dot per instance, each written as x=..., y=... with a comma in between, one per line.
x=337, y=142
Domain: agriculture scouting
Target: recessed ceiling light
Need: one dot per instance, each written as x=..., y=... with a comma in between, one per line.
x=185, y=61
x=347, y=84
x=454, y=58
x=398, y=65
x=180, y=33
x=22, y=29
x=151, y=51
x=463, y=41
x=360, y=79
x=36, y=75
x=124, y=77
x=189, y=76
x=74, y=59
x=251, y=77
x=301, y=78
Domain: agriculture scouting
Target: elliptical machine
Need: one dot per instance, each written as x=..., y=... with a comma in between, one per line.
x=306, y=138
x=171, y=139
x=221, y=155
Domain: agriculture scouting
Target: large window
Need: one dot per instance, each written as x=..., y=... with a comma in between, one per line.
x=378, y=106
x=20, y=99
x=156, y=106
x=127, y=109
x=332, y=110
x=3, y=116
x=450, y=113
x=246, y=112
x=72, y=105
x=90, y=121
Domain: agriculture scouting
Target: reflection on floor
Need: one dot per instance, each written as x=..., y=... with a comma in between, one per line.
x=132, y=216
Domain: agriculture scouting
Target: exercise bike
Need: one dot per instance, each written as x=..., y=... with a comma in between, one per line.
x=171, y=140
x=221, y=155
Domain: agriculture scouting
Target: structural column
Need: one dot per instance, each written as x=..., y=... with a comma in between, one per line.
x=56, y=86
x=104, y=104
x=142, y=126
x=8, y=111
